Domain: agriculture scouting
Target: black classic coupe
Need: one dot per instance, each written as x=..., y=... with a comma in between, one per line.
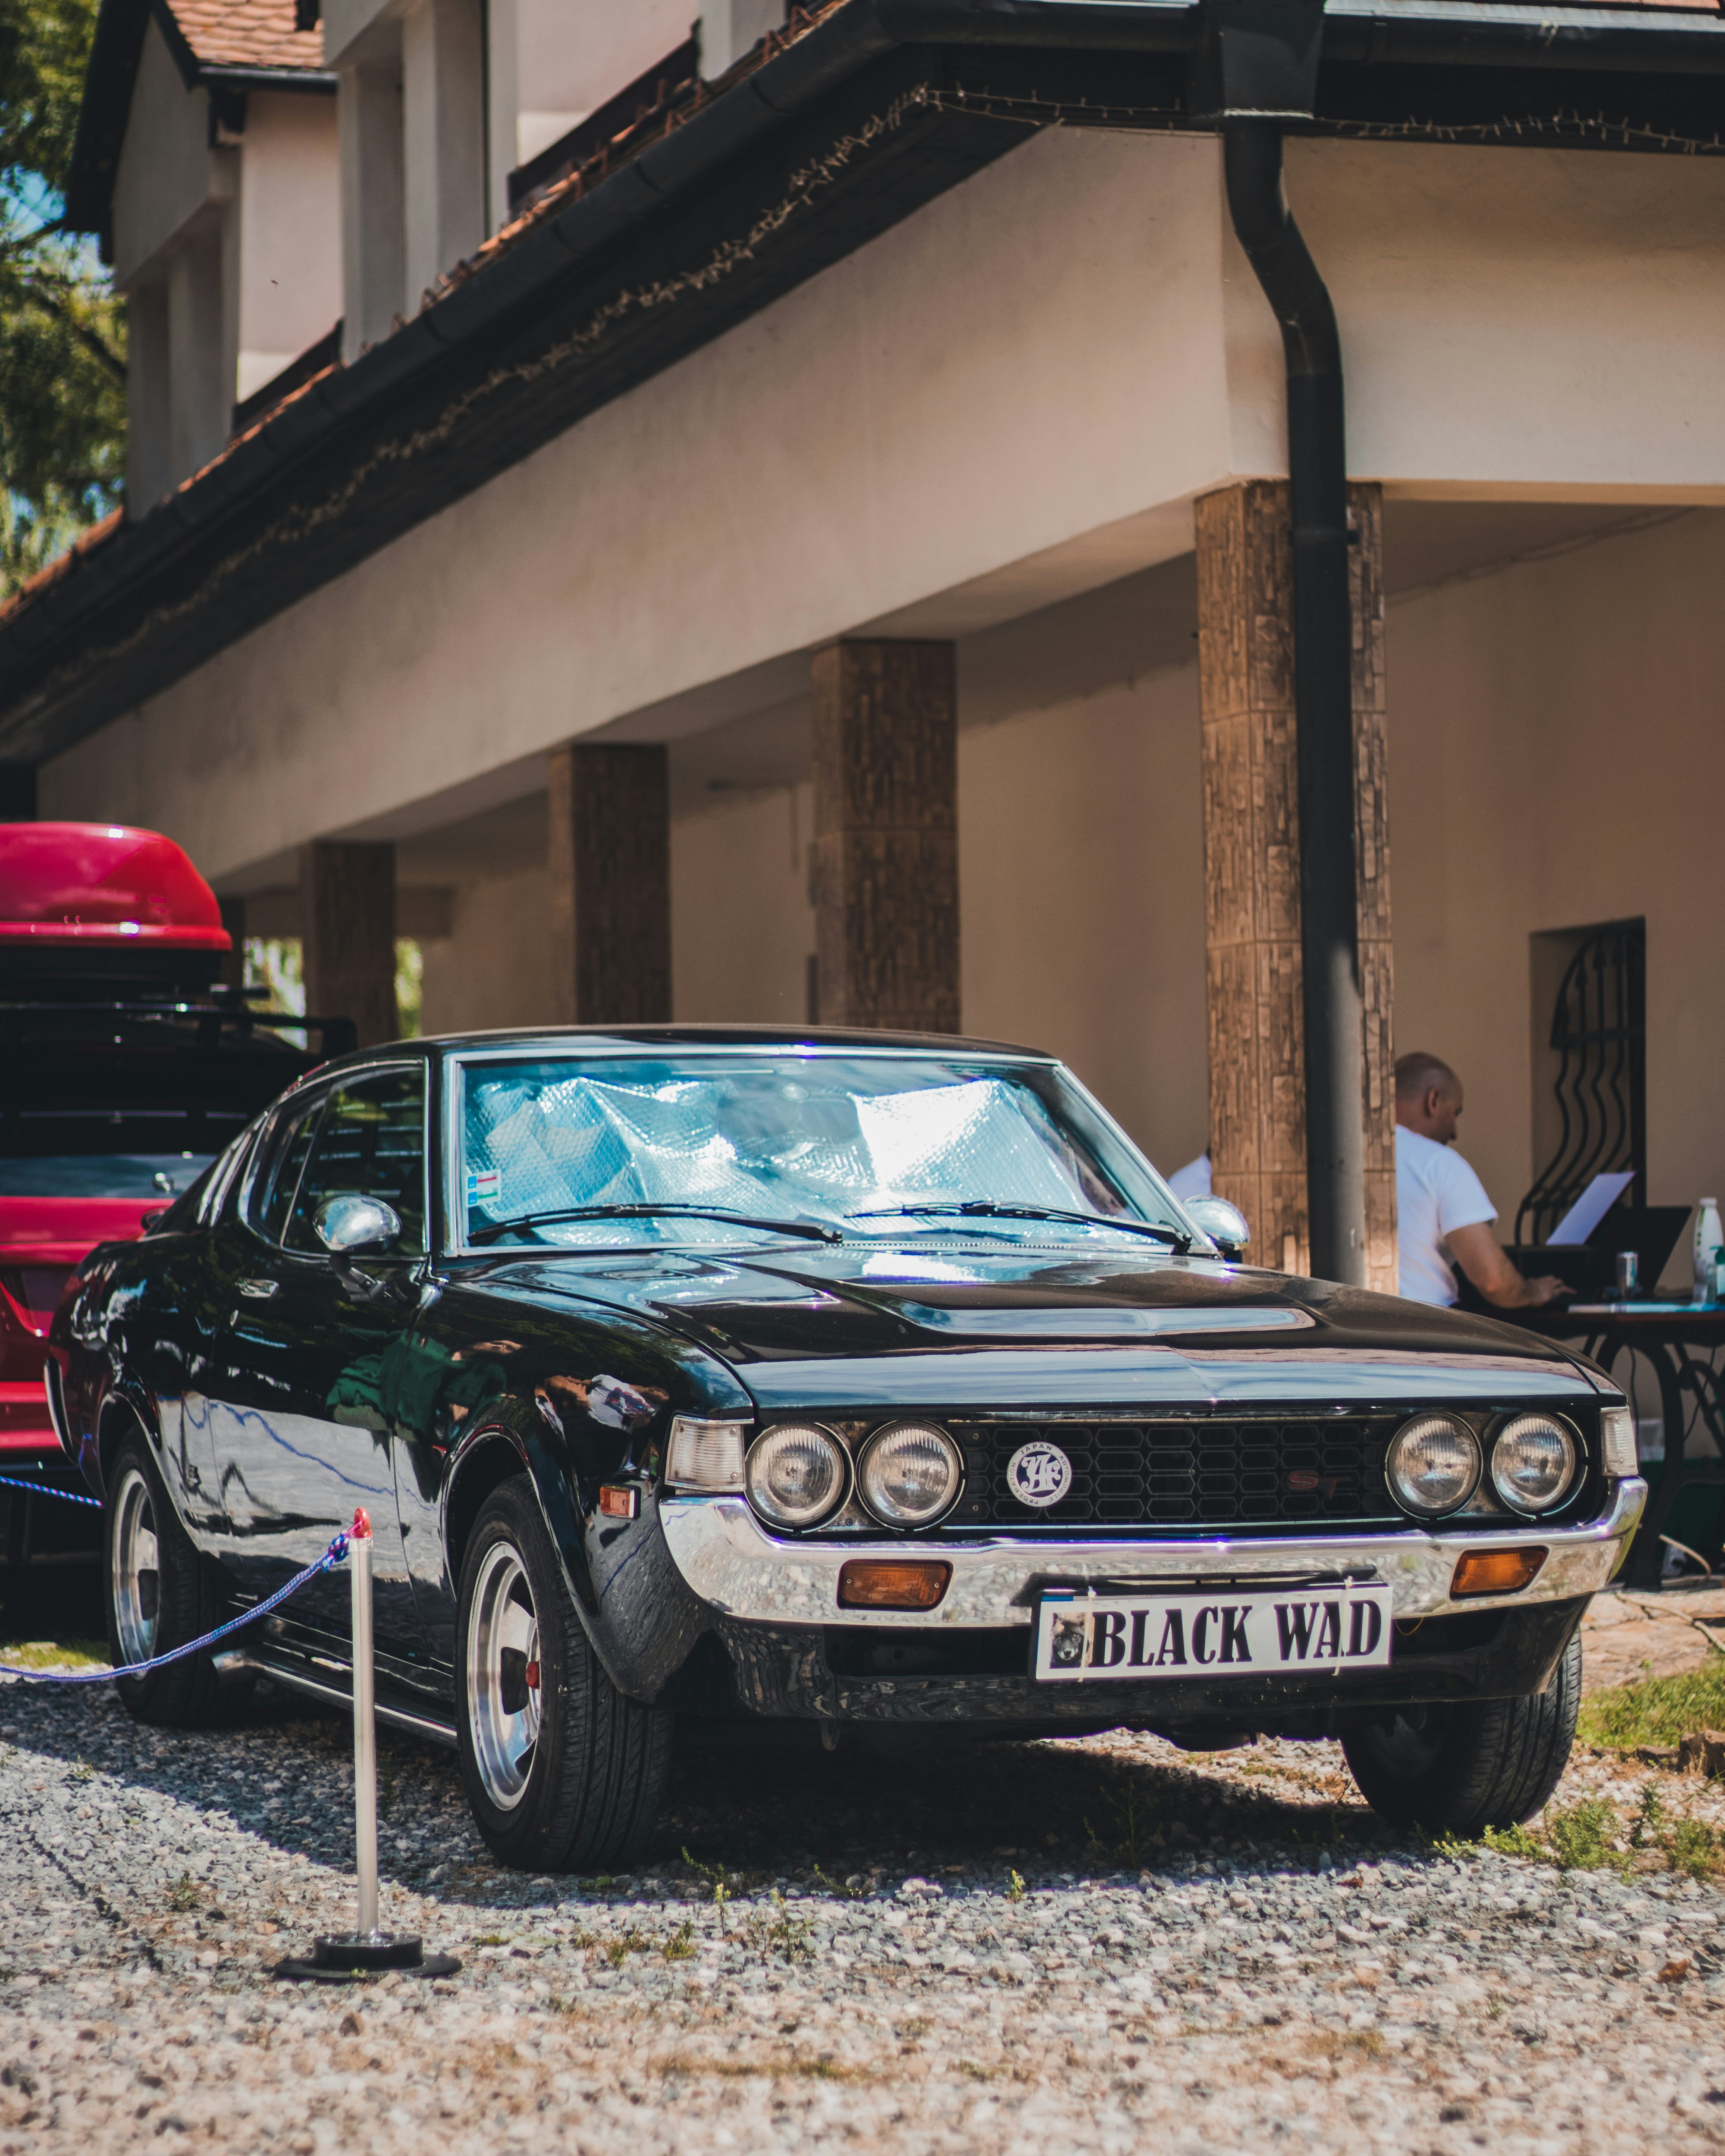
x=853, y=1378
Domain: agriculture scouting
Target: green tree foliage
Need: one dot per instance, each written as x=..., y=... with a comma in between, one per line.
x=62, y=332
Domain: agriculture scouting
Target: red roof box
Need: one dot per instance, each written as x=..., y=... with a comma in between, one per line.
x=80, y=886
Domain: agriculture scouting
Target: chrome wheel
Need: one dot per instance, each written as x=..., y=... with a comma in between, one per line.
x=137, y=1577
x=503, y=1676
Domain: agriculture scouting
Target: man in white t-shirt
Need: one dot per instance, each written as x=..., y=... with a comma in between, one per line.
x=1443, y=1215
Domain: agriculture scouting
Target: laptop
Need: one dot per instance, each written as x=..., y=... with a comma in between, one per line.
x=1590, y=1268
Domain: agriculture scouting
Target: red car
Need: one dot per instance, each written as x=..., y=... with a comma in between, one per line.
x=125, y=1069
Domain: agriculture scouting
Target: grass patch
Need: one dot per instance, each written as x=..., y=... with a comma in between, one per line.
x=185, y=1895
x=1656, y=1709
x=1695, y=1847
x=1582, y=1836
x=56, y=1654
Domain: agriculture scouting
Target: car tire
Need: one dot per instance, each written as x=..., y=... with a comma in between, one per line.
x=1457, y=1769
x=563, y=1772
x=156, y=1596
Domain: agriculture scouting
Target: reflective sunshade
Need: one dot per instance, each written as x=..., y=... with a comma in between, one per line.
x=854, y=1142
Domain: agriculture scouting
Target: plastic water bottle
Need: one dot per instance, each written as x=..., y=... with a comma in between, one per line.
x=1708, y=1237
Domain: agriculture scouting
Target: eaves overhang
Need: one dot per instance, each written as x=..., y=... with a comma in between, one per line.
x=867, y=112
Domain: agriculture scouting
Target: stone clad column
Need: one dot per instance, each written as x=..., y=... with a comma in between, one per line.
x=609, y=861
x=1371, y=798
x=1251, y=866
x=347, y=917
x=885, y=848
x=1256, y=1036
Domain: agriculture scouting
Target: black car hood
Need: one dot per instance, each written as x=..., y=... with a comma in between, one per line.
x=956, y=1324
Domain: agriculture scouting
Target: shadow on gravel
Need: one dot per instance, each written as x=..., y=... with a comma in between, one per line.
x=784, y=1803
x=762, y=1801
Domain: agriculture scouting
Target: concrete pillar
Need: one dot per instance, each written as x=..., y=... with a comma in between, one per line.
x=348, y=916
x=885, y=848
x=609, y=863
x=1252, y=870
x=373, y=245
x=444, y=139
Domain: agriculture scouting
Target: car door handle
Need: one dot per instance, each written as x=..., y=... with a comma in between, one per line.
x=259, y=1290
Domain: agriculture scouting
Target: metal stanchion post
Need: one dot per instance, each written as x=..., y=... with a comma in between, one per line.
x=365, y=1730
x=365, y=1951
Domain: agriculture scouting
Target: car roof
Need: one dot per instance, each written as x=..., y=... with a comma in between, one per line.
x=671, y=1035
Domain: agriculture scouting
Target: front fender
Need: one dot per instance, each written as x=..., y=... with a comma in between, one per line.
x=638, y=1614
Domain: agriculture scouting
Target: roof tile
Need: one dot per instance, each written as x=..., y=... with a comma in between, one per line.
x=247, y=34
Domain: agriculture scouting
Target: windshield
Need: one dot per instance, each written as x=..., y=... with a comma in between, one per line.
x=857, y=1143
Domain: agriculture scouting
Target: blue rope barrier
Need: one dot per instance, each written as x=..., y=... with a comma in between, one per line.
x=336, y=1554
x=36, y=1490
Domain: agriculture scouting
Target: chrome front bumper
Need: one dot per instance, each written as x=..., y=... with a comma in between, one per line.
x=734, y=1565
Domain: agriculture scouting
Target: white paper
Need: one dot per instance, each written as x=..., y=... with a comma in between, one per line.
x=1594, y=1203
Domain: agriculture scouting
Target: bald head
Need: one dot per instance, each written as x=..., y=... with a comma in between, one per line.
x=1428, y=1096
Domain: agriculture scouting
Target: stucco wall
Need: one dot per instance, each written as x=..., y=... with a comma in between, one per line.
x=1010, y=396
x=1082, y=888
x=1556, y=759
x=493, y=969
x=741, y=926
x=168, y=171
x=290, y=232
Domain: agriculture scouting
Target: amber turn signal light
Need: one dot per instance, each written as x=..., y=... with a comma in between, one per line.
x=1496, y=1571
x=892, y=1583
x=616, y=1501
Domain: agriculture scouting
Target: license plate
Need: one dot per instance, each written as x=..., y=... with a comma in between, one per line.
x=1215, y=1634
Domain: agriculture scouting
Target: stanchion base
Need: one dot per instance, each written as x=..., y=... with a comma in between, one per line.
x=342, y=1960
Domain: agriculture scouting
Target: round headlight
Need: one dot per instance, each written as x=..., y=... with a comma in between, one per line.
x=1433, y=1464
x=909, y=1474
x=796, y=1474
x=1534, y=1462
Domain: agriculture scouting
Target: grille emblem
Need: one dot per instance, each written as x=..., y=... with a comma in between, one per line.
x=1039, y=1475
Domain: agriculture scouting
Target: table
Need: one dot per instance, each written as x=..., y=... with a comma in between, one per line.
x=1680, y=1340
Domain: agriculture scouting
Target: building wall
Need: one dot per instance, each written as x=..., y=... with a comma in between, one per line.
x=168, y=171
x=1010, y=397
x=741, y=926
x=291, y=233
x=1556, y=759
x=1081, y=862
x=570, y=55
x=493, y=969
x=1082, y=897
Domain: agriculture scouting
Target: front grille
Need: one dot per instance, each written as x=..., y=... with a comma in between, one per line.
x=1267, y=1471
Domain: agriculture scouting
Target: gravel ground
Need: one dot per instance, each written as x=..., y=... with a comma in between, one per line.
x=1101, y=1941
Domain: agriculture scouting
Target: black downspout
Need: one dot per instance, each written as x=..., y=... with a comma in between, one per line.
x=1323, y=696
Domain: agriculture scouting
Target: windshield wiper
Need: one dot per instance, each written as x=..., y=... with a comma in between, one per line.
x=985, y=1209
x=494, y=1230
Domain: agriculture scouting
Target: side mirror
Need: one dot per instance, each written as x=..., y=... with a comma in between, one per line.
x=1225, y=1225
x=348, y=1225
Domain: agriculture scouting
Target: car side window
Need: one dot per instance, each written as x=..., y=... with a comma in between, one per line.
x=371, y=1143
x=220, y=1179
x=277, y=1183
